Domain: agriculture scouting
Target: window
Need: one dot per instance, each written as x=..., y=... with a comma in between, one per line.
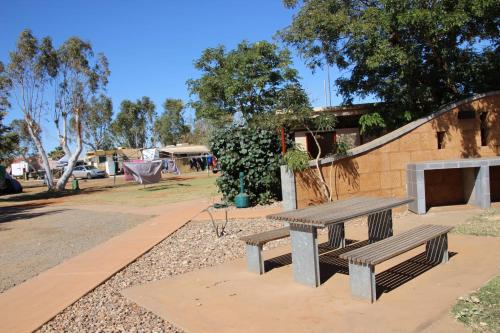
x=440, y=139
x=484, y=128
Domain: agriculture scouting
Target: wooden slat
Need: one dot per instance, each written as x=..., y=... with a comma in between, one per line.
x=266, y=236
x=340, y=211
x=390, y=247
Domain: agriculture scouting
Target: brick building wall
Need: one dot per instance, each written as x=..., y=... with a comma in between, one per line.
x=380, y=169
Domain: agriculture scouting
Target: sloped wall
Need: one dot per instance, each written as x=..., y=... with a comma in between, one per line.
x=381, y=170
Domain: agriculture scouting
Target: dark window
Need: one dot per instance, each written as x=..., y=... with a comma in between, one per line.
x=440, y=139
x=326, y=140
x=484, y=129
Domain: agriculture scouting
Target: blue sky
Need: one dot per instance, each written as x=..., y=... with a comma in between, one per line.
x=151, y=45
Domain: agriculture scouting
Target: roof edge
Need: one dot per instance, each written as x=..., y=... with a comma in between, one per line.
x=402, y=130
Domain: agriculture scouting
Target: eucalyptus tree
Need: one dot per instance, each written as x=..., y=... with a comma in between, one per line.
x=81, y=76
x=8, y=137
x=412, y=55
x=26, y=147
x=98, y=118
x=31, y=70
x=170, y=126
x=133, y=125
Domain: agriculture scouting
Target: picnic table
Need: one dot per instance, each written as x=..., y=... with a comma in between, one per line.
x=305, y=222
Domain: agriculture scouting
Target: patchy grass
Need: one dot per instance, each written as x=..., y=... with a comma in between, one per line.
x=480, y=310
x=104, y=191
x=169, y=190
x=484, y=224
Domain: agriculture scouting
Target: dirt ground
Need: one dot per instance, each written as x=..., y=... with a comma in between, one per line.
x=39, y=230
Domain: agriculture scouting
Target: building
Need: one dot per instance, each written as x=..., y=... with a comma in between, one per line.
x=346, y=129
x=466, y=129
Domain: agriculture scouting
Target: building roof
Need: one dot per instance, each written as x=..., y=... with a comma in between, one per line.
x=185, y=149
x=347, y=110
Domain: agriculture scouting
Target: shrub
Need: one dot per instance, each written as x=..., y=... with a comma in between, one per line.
x=256, y=152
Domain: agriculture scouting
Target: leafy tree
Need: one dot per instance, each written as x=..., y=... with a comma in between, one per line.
x=81, y=75
x=413, y=55
x=170, y=126
x=57, y=153
x=8, y=137
x=31, y=69
x=26, y=146
x=134, y=123
x=74, y=73
x=9, y=141
x=242, y=83
x=98, y=119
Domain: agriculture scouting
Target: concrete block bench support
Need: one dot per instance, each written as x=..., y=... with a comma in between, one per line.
x=380, y=225
x=362, y=261
x=362, y=281
x=255, y=262
x=436, y=250
x=336, y=235
x=305, y=259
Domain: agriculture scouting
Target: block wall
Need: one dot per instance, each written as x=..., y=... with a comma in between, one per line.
x=382, y=170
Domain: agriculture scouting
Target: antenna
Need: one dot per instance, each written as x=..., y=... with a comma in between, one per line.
x=329, y=90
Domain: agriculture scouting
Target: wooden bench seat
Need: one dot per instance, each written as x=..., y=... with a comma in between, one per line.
x=362, y=260
x=255, y=243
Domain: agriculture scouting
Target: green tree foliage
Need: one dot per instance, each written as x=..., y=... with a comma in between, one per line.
x=26, y=147
x=73, y=73
x=98, y=117
x=9, y=141
x=413, y=55
x=134, y=123
x=57, y=153
x=8, y=138
x=81, y=75
x=31, y=70
x=256, y=152
x=170, y=126
x=245, y=82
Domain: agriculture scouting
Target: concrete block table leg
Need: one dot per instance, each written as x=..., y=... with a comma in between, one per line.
x=336, y=235
x=255, y=263
x=305, y=260
x=362, y=281
x=380, y=225
x=437, y=249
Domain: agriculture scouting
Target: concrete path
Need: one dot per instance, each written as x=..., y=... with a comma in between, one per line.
x=29, y=305
x=417, y=297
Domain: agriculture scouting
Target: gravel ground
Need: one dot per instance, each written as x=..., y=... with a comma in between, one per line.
x=36, y=238
x=192, y=247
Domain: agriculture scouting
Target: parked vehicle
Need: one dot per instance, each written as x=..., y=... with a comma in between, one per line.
x=88, y=171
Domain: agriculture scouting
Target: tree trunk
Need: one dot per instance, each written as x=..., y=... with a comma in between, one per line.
x=41, y=153
x=321, y=177
x=61, y=184
x=64, y=139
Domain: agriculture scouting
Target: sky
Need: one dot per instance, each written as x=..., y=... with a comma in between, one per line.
x=151, y=45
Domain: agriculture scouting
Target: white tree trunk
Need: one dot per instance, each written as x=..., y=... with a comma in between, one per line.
x=41, y=153
x=61, y=184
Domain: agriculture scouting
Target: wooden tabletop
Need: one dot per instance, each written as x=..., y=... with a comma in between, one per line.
x=339, y=211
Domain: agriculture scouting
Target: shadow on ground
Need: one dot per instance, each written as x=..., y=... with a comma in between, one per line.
x=387, y=281
x=24, y=212
x=20, y=197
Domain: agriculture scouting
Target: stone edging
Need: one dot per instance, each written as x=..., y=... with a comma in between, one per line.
x=402, y=130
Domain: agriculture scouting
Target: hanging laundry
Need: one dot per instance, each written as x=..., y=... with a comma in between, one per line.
x=146, y=172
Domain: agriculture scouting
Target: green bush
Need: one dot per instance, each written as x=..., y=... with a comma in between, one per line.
x=256, y=152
